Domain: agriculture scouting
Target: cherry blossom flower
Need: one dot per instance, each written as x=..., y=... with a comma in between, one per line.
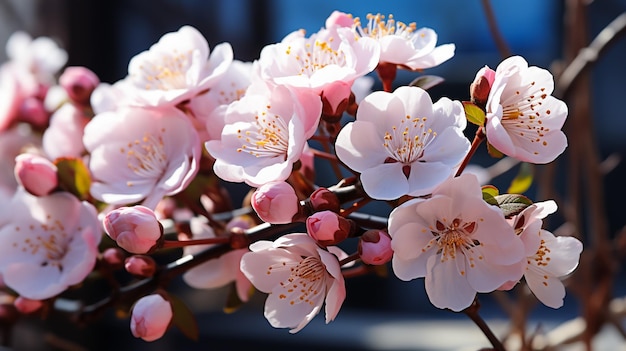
x=549, y=257
x=47, y=243
x=141, y=154
x=402, y=143
x=298, y=276
x=329, y=60
x=458, y=242
x=266, y=132
x=404, y=45
x=151, y=316
x=217, y=272
x=64, y=135
x=41, y=57
x=177, y=68
x=523, y=119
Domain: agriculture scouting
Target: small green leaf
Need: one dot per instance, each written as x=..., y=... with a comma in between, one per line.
x=73, y=176
x=512, y=204
x=493, y=152
x=489, y=194
x=473, y=113
x=184, y=318
x=233, y=302
x=426, y=82
x=523, y=180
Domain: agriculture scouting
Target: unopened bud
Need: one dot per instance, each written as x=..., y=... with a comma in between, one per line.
x=335, y=98
x=328, y=228
x=27, y=306
x=36, y=174
x=114, y=257
x=480, y=88
x=79, y=83
x=151, y=316
x=33, y=111
x=275, y=202
x=323, y=199
x=135, y=229
x=140, y=266
x=375, y=247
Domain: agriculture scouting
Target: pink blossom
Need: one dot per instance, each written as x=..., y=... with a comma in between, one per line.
x=141, y=266
x=141, y=154
x=26, y=305
x=375, y=247
x=36, y=174
x=47, y=243
x=328, y=228
x=299, y=277
x=275, y=202
x=481, y=86
x=548, y=257
x=177, y=68
x=321, y=62
x=217, y=272
x=266, y=132
x=135, y=229
x=523, y=119
x=403, y=144
x=151, y=316
x=64, y=136
x=458, y=242
x=404, y=45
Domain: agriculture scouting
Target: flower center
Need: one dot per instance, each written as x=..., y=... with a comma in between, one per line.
x=452, y=238
x=305, y=282
x=146, y=157
x=313, y=57
x=168, y=73
x=406, y=143
x=377, y=27
x=49, y=241
x=267, y=137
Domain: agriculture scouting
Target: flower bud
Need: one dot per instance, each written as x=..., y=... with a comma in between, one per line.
x=328, y=228
x=33, y=111
x=480, y=88
x=135, y=229
x=114, y=257
x=375, y=247
x=323, y=199
x=79, y=83
x=140, y=266
x=36, y=174
x=335, y=100
x=151, y=316
x=275, y=202
x=27, y=306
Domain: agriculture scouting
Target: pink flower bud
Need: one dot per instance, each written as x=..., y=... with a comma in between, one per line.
x=335, y=99
x=114, y=257
x=375, y=247
x=140, y=266
x=79, y=83
x=36, y=174
x=26, y=306
x=480, y=88
x=135, y=229
x=275, y=202
x=323, y=199
x=33, y=111
x=151, y=316
x=328, y=228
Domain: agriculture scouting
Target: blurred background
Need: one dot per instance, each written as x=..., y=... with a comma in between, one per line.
x=385, y=314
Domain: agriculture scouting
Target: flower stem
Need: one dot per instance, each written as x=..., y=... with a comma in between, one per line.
x=472, y=313
x=478, y=139
x=168, y=244
x=355, y=256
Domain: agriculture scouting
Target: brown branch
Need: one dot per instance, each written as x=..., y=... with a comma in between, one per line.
x=503, y=48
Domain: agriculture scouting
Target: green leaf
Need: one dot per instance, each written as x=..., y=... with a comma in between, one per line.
x=489, y=194
x=74, y=176
x=184, y=318
x=233, y=302
x=523, y=180
x=473, y=113
x=493, y=152
x=426, y=82
x=512, y=204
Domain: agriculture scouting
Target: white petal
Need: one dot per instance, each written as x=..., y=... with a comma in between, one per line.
x=446, y=287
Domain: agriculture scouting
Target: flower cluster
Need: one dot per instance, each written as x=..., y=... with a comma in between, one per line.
x=143, y=160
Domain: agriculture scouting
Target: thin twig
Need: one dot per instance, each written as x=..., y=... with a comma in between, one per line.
x=503, y=48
